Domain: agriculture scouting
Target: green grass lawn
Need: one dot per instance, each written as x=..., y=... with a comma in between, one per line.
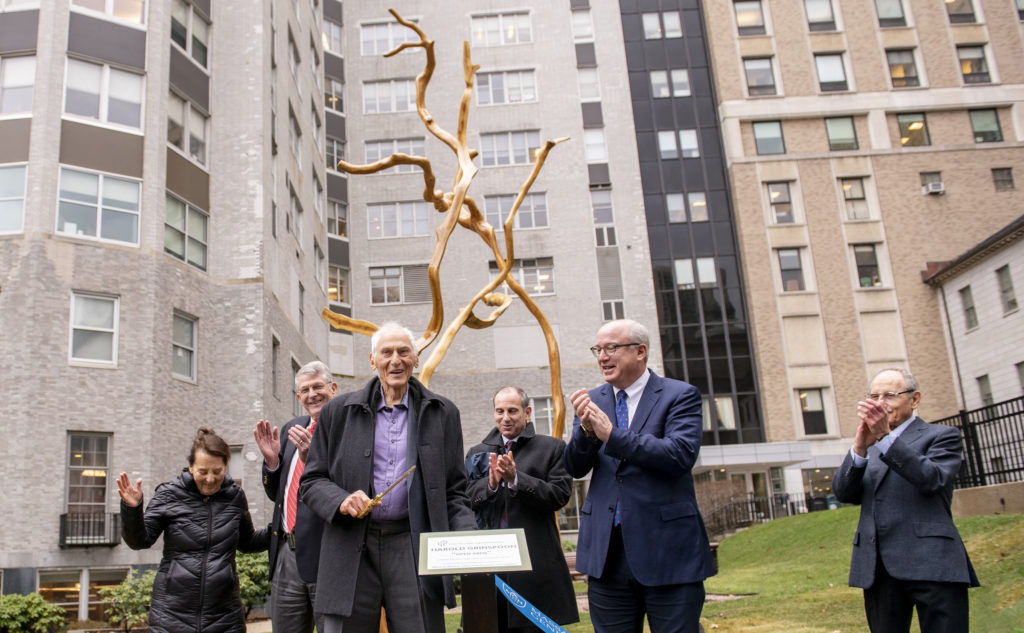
x=796, y=570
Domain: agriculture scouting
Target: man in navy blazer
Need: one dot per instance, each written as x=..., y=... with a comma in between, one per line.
x=296, y=530
x=642, y=541
x=907, y=551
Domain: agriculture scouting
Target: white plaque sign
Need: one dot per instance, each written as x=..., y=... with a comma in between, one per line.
x=479, y=551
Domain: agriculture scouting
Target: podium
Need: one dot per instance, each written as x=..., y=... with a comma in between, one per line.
x=476, y=555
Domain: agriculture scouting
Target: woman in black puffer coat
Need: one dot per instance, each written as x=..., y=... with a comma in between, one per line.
x=204, y=518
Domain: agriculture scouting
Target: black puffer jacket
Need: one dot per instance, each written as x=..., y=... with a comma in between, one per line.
x=196, y=587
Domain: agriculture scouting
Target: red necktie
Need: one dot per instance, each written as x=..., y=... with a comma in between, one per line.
x=293, y=488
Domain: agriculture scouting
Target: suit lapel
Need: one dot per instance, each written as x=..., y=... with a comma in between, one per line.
x=648, y=398
x=605, y=400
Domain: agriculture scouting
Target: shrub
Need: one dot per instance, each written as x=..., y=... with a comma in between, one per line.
x=30, y=614
x=127, y=604
x=253, y=579
x=568, y=546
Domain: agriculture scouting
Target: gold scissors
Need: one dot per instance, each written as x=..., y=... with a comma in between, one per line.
x=380, y=495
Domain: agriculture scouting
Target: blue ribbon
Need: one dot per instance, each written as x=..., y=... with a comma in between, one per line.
x=532, y=613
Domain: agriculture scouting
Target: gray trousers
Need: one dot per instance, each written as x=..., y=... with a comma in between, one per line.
x=291, y=599
x=388, y=578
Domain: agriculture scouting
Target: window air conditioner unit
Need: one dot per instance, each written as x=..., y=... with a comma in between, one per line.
x=934, y=188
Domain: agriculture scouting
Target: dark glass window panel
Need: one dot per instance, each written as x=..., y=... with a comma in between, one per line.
x=716, y=340
x=913, y=129
x=697, y=374
x=721, y=375
x=743, y=372
x=712, y=304
x=688, y=306
x=693, y=341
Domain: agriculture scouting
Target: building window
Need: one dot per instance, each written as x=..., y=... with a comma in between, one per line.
x=967, y=303
x=594, y=148
x=337, y=218
x=379, y=150
x=318, y=264
x=985, y=125
x=302, y=308
x=317, y=126
x=189, y=30
x=88, y=461
x=913, y=129
x=582, y=26
x=706, y=275
x=831, y=73
x=820, y=16
x=791, y=269
x=855, y=198
x=1020, y=366
x=297, y=408
x=697, y=205
x=98, y=206
x=689, y=147
x=183, y=346
x=331, y=37
x=760, y=77
x=661, y=87
x=768, y=137
x=960, y=11
x=662, y=25
x=1002, y=177
x=127, y=10
x=509, y=148
x=973, y=65
x=985, y=390
x=929, y=178
x=382, y=37
x=275, y=358
x=398, y=219
x=502, y=29
x=1006, y=293
x=390, y=95
x=532, y=214
x=334, y=98
x=185, y=234
x=612, y=310
x=184, y=121
x=813, y=409
x=590, y=87
x=749, y=17
x=334, y=152
x=667, y=147
x=293, y=221
x=841, y=133
x=399, y=284
x=674, y=204
x=514, y=86
x=106, y=94
x=890, y=13
x=902, y=68
x=12, y=198
x=866, y=258
x=94, y=328
x=536, y=276
x=294, y=136
x=1020, y=9
x=293, y=58
x=17, y=79
x=337, y=284
x=604, y=218
x=780, y=202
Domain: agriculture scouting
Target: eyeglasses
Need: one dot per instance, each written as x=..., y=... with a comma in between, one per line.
x=888, y=396
x=610, y=348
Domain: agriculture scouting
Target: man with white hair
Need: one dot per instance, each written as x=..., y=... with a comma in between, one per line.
x=367, y=440
x=296, y=531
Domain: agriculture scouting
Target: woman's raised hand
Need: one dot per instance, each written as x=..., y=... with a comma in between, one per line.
x=131, y=495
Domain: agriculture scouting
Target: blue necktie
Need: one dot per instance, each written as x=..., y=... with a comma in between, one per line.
x=621, y=421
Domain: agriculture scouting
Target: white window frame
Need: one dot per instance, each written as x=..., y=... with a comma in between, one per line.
x=526, y=78
x=334, y=95
x=397, y=34
x=489, y=150
x=830, y=59
x=189, y=234
x=189, y=113
x=190, y=37
x=804, y=270
x=337, y=215
x=382, y=215
x=781, y=137
x=113, y=331
x=334, y=150
x=319, y=263
x=5, y=62
x=372, y=90
x=850, y=205
x=967, y=308
x=660, y=30
x=589, y=91
x=99, y=206
x=338, y=277
x=582, y=25
x=109, y=10
x=380, y=149
x=878, y=252
x=399, y=273
x=760, y=90
x=10, y=197
x=595, y=146
x=332, y=37
x=103, y=115
x=479, y=25
x=536, y=275
x=773, y=215
x=180, y=347
x=1007, y=295
x=496, y=208
x=752, y=28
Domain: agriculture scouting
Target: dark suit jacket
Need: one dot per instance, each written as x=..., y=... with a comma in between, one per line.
x=308, y=527
x=905, y=498
x=543, y=488
x=648, y=468
x=341, y=462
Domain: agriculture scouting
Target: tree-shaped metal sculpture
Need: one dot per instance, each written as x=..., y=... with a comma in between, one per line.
x=460, y=209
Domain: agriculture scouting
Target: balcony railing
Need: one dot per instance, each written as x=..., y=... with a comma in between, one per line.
x=86, y=530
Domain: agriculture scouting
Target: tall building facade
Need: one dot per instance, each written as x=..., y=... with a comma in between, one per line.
x=863, y=140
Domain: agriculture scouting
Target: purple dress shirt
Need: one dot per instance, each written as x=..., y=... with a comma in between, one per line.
x=390, y=441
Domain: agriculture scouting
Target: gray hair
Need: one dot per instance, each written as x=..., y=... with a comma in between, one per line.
x=909, y=382
x=314, y=368
x=390, y=325
x=518, y=390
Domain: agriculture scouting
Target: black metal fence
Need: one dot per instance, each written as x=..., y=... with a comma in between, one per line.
x=741, y=512
x=83, y=530
x=993, y=443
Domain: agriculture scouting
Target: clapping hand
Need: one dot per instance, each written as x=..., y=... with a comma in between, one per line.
x=269, y=440
x=131, y=495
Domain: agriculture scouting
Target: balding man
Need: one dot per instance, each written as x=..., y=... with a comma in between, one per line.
x=642, y=541
x=906, y=552
x=367, y=439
